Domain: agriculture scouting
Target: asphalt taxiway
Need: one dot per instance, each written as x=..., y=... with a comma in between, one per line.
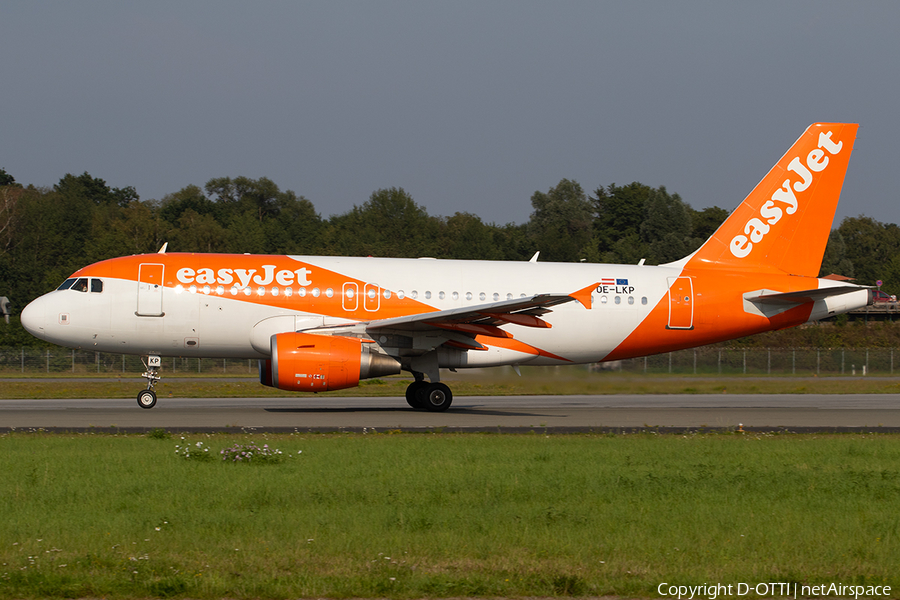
x=806, y=412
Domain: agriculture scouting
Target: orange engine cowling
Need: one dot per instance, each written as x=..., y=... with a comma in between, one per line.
x=305, y=362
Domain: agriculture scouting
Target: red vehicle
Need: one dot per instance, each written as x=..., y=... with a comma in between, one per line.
x=878, y=297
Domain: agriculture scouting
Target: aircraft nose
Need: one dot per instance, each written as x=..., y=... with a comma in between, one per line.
x=34, y=317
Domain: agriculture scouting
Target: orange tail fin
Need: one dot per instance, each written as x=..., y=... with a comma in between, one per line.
x=785, y=221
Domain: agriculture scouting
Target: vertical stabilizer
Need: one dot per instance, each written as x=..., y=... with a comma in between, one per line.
x=784, y=223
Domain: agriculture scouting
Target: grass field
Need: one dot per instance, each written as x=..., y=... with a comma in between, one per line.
x=536, y=381
x=409, y=516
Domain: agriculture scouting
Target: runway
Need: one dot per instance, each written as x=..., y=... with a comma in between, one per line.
x=807, y=412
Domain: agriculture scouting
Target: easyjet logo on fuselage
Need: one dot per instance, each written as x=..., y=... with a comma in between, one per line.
x=784, y=200
x=244, y=277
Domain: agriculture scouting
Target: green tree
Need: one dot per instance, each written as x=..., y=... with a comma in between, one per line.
x=619, y=212
x=561, y=223
x=636, y=221
x=9, y=215
x=465, y=236
x=870, y=246
x=389, y=224
x=187, y=198
x=199, y=233
x=142, y=228
x=835, y=259
x=667, y=226
x=95, y=190
x=298, y=227
x=257, y=196
x=6, y=178
x=707, y=221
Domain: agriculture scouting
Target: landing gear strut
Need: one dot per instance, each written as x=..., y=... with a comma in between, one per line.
x=434, y=397
x=147, y=398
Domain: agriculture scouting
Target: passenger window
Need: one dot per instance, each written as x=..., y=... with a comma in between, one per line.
x=81, y=285
x=96, y=286
x=66, y=284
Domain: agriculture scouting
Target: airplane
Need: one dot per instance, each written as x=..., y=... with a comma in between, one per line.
x=320, y=323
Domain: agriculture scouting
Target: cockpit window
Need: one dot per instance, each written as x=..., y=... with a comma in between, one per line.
x=66, y=284
x=96, y=286
x=81, y=285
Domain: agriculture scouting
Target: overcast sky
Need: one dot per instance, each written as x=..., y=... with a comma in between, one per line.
x=468, y=106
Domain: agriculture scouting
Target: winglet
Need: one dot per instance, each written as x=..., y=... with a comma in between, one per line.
x=584, y=295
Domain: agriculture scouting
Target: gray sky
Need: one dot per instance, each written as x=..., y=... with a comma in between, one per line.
x=469, y=106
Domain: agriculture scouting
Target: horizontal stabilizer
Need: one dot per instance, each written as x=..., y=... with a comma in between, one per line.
x=769, y=297
x=769, y=303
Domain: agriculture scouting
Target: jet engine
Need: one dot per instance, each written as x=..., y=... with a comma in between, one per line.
x=303, y=362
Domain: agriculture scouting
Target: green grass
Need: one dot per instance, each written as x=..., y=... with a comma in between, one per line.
x=409, y=516
x=538, y=382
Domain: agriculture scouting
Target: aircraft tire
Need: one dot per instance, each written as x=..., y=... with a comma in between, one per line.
x=415, y=394
x=146, y=399
x=437, y=397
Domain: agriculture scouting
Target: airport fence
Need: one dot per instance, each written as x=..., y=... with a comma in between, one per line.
x=63, y=361
x=707, y=360
x=764, y=361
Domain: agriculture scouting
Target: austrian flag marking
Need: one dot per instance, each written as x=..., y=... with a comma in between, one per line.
x=613, y=285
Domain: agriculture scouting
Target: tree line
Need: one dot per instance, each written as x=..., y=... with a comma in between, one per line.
x=47, y=233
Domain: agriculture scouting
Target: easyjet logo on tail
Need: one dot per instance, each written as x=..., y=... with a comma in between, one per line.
x=784, y=199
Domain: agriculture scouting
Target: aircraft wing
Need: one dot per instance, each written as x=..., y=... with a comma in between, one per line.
x=520, y=311
x=459, y=327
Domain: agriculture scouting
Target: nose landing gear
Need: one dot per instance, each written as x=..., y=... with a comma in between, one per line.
x=147, y=398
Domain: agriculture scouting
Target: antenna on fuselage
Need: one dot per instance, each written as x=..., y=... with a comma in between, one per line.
x=163, y=249
x=534, y=258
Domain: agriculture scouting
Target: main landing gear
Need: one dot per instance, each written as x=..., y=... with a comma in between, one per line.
x=434, y=397
x=147, y=398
